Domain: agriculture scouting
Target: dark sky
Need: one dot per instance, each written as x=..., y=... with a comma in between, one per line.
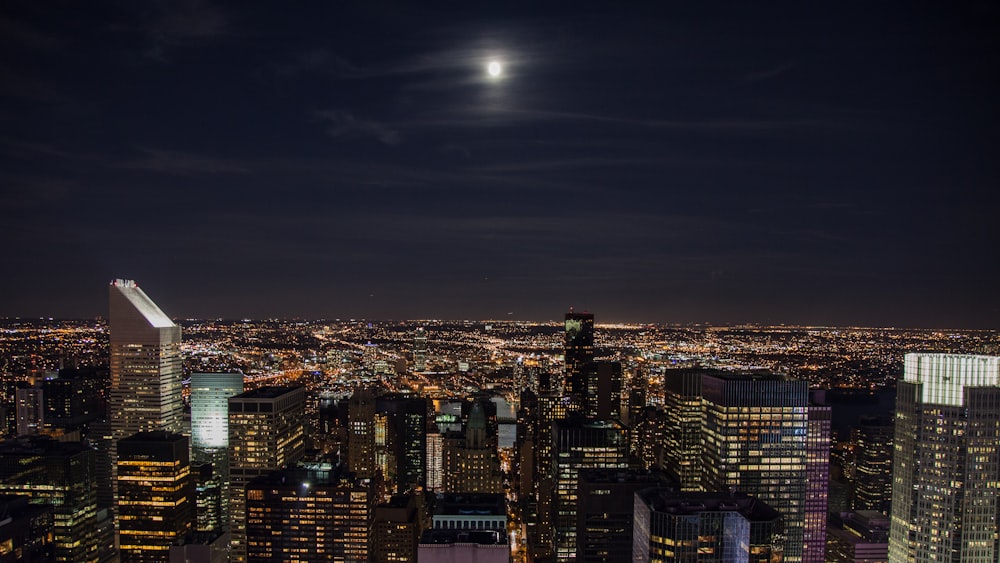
x=811, y=162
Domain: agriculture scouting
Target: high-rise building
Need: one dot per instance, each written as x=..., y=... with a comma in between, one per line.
x=551, y=407
x=210, y=393
x=682, y=414
x=155, y=495
x=605, y=511
x=396, y=531
x=946, y=461
x=30, y=411
x=406, y=420
x=312, y=512
x=603, y=399
x=145, y=367
x=26, y=530
x=60, y=474
x=266, y=433
x=689, y=526
x=580, y=444
x=755, y=435
x=467, y=546
x=361, y=434
x=579, y=352
x=420, y=349
x=817, y=478
x=873, y=464
x=472, y=464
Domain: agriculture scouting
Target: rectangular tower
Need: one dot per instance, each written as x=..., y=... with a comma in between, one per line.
x=266, y=433
x=579, y=352
x=755, y=442
x=946, y=461
x=155, y=495
x=210, y=393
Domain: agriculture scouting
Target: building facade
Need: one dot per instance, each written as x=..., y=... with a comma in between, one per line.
x=945, y=460
x=155, y=495
x=266, y=434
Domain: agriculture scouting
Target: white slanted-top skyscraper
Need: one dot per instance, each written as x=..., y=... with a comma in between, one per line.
x=145, y=366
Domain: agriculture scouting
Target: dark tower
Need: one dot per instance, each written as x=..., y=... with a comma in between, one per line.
x=579, y=352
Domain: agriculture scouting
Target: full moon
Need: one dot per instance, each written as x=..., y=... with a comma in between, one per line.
x=494, y=68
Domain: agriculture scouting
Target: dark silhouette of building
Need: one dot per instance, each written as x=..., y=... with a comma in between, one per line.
x=605, y=511
x=603, y=400
x=61, y=474
x=873, y=464
x=26, y=531
x=396, y=530
x=691, y=527
x=579, y=352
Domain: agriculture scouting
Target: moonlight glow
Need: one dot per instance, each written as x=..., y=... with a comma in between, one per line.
x=494, y=69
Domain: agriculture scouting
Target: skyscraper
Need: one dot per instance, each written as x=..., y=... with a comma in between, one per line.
x=580, y=444
x=873, y=464
x=210, y=393
x=145, y=367
x=946, y=461
x=603, y=399
x=692, y=526
x=312, y=512
x=266, y=433
x=579, y=352
x=155, y=495
x=472, y=465
x=145, y=363
x=60, y=474
x=755, y=442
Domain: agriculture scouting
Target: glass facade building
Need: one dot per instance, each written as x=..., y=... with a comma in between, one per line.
x=945, y=460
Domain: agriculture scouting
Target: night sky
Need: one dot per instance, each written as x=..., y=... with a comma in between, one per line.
x=805, y=163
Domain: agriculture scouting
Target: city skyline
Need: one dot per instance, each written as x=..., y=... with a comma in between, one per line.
x=784, y=164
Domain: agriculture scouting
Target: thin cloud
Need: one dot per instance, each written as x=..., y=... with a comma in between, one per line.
x=182, y=164
x=346, y=124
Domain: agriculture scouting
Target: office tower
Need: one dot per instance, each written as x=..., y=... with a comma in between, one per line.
x=30, y=411
x=210, y=393
x=648, y=441
x=817, y=478
x=579, y=352
x=462, y=511
x=435, y=459
x=420, y=349
x=682, y=413
x=60, y=474
x=266, y=433
x=873, y=464
x=551, y=407
x=208, y=499
x=858, y=537
x=361, y=434
x=312, y=512
x=603, y=399
x=145, y=368
x=26, y=530
x=73, y=399
x=472, y=464
x=605, y=511
x=155, y=495
x=691, y=526
x=945, y=460
x=406, y=421
x=465, y=546
x=580, y=444
x=396, y=531
x=755, y=442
